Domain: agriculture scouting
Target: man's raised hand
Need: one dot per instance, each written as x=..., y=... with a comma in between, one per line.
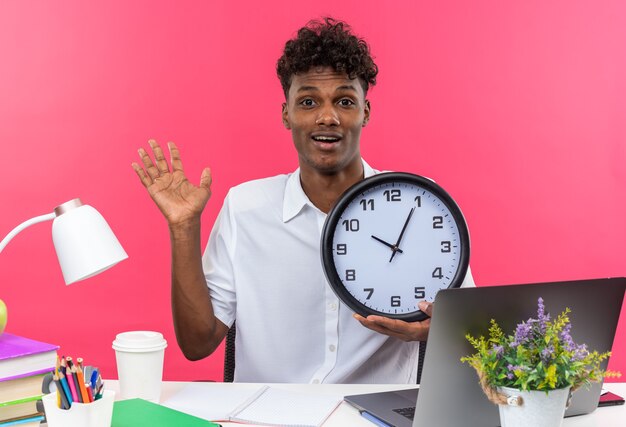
x=178, y=199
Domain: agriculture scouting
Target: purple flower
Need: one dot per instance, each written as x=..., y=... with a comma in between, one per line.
x=541, y=316
x=522, y=334
x=566, y=338
x=546, y=353
x=498, y=350
x=580, y=352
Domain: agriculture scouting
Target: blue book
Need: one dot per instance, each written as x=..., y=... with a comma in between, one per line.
x=24, y=422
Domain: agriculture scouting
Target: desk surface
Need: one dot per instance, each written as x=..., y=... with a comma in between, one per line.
x=346, y=415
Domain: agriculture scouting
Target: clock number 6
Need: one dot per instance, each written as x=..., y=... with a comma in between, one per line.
x=395, y=301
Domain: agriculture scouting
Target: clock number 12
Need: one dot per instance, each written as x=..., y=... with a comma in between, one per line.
x=393, y=195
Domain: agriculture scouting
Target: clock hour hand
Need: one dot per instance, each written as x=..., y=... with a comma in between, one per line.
x=397, y=245
x=393, y=248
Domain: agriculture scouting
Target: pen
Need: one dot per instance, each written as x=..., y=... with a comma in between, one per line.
x=374, y=419
x=87, y=372
x=94, y=378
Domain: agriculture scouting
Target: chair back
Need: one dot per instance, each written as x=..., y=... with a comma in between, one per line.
x=229, y=356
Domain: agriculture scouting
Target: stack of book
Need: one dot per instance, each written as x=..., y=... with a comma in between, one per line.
x=23, y=365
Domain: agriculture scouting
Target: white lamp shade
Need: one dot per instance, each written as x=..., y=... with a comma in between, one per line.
x=84, y=243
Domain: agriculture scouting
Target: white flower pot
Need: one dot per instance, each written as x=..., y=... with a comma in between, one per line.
x=534, y=409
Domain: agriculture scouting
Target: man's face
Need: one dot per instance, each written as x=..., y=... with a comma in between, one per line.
x=325, y=111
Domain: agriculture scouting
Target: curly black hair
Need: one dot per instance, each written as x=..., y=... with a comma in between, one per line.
x=328, y=44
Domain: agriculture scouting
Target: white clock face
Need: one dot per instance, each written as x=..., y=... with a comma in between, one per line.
x=395, y=244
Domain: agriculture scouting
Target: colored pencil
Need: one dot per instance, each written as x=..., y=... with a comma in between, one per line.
x=81, y=383
x=61, y=397
x=91, y=398
x=66, y=388
x=63, y=364
x=71, y=382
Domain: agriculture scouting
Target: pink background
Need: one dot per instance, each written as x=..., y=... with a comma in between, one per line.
x=518, y=109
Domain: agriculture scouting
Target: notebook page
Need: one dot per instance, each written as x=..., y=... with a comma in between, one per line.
x=209, y=403
x=277, y=407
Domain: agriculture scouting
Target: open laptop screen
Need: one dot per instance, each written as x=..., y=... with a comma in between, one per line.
x=449, y=392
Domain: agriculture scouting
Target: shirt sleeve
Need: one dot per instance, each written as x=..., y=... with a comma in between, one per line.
x=217, y=264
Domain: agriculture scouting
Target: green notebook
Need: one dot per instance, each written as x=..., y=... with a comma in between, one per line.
x=140, y=413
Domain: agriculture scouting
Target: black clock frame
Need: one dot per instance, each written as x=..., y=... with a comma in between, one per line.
x=358, y=189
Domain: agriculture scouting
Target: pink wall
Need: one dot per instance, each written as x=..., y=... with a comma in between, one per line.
x=517, y=108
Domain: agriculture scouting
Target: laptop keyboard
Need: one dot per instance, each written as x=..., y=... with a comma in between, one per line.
x=407, y=412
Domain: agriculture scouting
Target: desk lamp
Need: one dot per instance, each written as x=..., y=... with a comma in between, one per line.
x=84, y=242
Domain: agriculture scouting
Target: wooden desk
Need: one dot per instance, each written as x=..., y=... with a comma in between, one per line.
x=346, y=415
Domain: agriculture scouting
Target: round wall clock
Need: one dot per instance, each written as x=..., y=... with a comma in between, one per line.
x=392, y=240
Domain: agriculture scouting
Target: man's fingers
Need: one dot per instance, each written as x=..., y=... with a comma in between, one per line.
x=152, y=171
x=206, y=179
x=426, y=307
x=161, y=162
x=177, y=164
x=395, y=325
x=143, y=177
x=413, y=331
x=384, y=325
x=371, y=324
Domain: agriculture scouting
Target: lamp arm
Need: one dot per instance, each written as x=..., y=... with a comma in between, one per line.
x=22, y=226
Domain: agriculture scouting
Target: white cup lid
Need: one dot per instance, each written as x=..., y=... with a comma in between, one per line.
x=139, y=341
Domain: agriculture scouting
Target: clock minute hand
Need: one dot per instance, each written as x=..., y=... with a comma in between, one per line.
x=397, y=246
x=393, y=248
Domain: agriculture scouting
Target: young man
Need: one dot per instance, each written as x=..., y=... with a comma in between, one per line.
x=262, y=265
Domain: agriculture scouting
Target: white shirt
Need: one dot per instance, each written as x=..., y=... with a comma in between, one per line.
x=262, y=266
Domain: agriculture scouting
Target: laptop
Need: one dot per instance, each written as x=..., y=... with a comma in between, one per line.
x=449, y=394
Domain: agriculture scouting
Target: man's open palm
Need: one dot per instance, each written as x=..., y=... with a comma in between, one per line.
x=177, y=198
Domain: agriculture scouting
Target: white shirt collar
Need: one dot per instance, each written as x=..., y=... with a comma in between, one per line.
x=295, y=199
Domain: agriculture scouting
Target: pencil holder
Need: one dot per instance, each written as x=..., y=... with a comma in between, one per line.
x=94, y=414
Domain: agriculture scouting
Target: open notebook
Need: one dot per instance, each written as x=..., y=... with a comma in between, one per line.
x=277, y=407
x=264, y=405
